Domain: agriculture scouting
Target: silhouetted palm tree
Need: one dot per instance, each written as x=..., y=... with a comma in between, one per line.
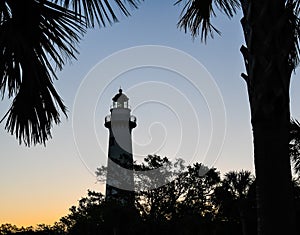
x=271, y=31
x=238, y=183
x=36, y=38
x=231, y=196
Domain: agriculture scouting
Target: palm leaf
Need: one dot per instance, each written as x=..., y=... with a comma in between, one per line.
x=196, y=15
x=294, y=145
x=4, y=11
x=36, y=36
x=293, y=12
x=238, y=183
x=100, y=12
x=34, y=108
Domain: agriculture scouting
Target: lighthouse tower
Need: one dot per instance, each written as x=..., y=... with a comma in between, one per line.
x=120, y=182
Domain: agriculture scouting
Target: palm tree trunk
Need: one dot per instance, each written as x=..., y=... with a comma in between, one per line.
x=267, y=58
x=243, y=219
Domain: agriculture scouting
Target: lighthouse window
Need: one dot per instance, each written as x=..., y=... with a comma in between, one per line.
x=120, y=104
x=116, y=105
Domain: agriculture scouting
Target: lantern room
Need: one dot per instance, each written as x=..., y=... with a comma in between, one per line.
x=120, y=100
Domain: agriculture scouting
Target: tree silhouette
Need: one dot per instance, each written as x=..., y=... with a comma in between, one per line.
x=8, y=229
x=295, y=145
x=183, y=204
x=171, y=196
x=232, y=197
x=87, y=217
x=296, y=184
x=157, y=201
x=40, y=229
x=196, y=201
x=271, y=32
x=36, y=38
x=94, y=215
x=197, y=190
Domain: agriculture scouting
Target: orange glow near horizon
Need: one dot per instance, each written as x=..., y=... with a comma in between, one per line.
x=25, y=220
x=35, y=212
x=31, y=209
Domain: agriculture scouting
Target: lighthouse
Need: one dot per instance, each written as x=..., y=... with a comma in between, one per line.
x=120, y=123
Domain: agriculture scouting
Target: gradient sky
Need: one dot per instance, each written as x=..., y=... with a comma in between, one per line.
x=39, y=184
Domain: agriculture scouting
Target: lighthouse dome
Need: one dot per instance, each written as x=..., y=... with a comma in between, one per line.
x=120, y=100
x=120, y=97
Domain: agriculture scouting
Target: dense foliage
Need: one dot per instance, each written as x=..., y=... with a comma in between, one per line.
x=197, y=200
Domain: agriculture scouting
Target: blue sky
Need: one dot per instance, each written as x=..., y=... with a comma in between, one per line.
x=39, y=184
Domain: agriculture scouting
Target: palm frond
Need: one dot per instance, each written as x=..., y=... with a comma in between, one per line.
x=196, y=15
x=229, y=7
x=293, y=12
x=35, y=107
x=99, y=12
x=35, y=38
x=294, y=129
x=4, y=11
x=294, y=146
x=238, y=182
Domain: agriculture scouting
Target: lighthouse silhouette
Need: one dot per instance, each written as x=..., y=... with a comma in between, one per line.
x=120, y=123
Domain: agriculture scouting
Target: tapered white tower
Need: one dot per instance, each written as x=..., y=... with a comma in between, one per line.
x=120, y=182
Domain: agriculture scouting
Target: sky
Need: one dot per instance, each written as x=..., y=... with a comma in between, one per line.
x=188, y=97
